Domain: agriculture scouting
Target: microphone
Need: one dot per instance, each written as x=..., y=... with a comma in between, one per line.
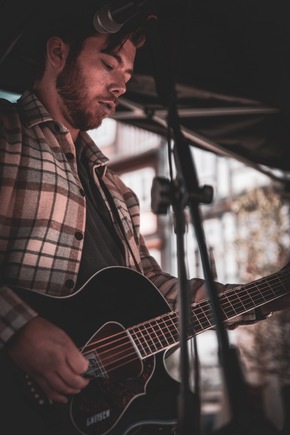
x=110, y=18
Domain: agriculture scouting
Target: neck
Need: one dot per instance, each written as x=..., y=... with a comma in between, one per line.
x=50, y=100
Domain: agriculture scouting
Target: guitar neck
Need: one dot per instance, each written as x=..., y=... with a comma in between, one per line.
x=158, y=334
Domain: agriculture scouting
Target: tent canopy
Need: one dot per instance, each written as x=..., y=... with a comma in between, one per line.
x=229, y=61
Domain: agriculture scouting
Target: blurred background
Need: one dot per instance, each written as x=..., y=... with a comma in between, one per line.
x=232, y=69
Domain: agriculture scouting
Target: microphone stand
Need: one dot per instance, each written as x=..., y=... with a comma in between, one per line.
x=188, y=405
x=245, y=420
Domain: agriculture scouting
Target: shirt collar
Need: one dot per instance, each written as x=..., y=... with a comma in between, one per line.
x=33, y=113
x=31, y=110
x=92, y=152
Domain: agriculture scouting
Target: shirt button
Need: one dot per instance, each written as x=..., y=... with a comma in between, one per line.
x=82, y=192
x=78, y=235
x=70, y=156
x=69, y=283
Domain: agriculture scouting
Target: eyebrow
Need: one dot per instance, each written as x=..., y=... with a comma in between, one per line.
x=118, y=59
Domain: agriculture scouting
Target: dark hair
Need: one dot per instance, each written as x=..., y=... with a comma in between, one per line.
x=74, y=28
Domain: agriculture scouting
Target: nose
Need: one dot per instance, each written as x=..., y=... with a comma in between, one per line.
x=119, y=90
x=119, y=86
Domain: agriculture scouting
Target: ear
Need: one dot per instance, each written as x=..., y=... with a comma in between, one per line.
x=56, y=52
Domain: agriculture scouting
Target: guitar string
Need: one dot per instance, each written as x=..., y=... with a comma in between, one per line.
x=204, y=305
x=195, y=310
x=124, y=344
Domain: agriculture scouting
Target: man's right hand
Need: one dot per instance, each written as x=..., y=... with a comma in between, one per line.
x=49, y=356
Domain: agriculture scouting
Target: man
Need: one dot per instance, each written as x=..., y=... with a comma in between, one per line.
x=64, y=214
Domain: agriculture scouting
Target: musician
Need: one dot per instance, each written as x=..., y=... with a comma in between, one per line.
x=65, y=215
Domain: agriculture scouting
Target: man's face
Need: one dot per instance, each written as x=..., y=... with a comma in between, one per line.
x=89, y=86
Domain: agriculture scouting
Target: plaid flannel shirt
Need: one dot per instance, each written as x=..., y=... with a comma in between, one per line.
x=43, y=212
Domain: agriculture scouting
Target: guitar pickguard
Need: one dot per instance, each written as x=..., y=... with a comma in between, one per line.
x=97, y=409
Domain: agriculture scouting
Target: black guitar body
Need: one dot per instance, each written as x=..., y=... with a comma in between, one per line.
x=140, y=395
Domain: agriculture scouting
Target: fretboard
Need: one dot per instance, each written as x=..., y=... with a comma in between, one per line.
x=160, y=333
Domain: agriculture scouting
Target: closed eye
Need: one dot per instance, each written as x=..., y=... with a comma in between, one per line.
x=108, y=66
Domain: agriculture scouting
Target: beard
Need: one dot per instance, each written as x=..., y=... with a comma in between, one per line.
x=72, y=88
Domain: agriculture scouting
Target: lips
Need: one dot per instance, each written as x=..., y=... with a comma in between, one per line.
x=108, y=106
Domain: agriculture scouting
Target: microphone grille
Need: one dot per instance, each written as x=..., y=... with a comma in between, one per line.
x=104, y=22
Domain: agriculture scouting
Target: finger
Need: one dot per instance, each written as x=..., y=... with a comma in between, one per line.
x=72, y=381
x=52, y=394
x=78, y=363
x=57, y=388
x=70, y=378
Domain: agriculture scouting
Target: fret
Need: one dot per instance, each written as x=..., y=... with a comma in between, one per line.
x=245, y=302
x=160, y=335
x=162, y=332
x=172, y=327
x=151, y=338
x=203, y=310
x=140, y=341
x=249, y=302
x=166, y=332
x=282, y=290
x=227, y=308
x=238, y=304
x=151, y=343
x=252, y=295
x=259, y=299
